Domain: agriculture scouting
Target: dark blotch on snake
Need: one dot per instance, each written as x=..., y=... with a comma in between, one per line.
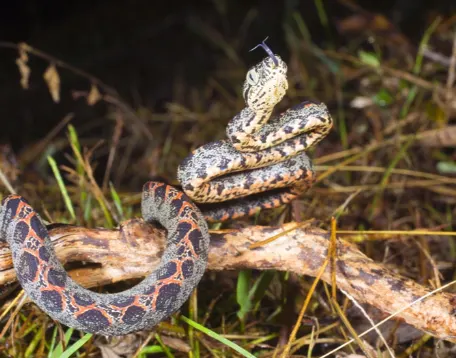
x=168, y=270
x=292, y=162
x=38, y=227
x=224, y=162
x=249, y=121
x=248, y=182
x=177, y=203
x=21, y=232
x=196, y=237
x=43, y=253
x=274, y=180
x=303, y=140
x=149, y=291
x=166, y=298
x=160, y=191
x=263, y=137
x=282, y=152
x=187, y=268
x=93, y=320
x=52, y=300
x=183, y=228
x=323, y=119
x=83, y=300
x=12, y=205
x=181, y=250
x=56, y=278
x=189, y=187
x=27, y=268
x=133, y=315
x=288, y=129
x=194, y=217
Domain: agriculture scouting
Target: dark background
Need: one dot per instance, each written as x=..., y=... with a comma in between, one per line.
x=138, y=47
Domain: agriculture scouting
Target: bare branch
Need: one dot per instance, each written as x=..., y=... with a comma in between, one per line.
x=135, y=249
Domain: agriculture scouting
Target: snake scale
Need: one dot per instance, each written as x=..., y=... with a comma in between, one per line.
x=261, y=165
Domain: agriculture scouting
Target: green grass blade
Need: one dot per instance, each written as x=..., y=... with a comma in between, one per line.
x=217, y=337
x=75, y=346
x=59, y=349
x=53, y=340
x=116, y=199
x=260, y=286
x=62, y=187
x=150, y=350
x=423, y=43
x=242, y=293
x=34, y=343
x=163, y=347
x=76, y=147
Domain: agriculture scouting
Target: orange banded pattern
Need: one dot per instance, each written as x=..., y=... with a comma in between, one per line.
x=159, y=295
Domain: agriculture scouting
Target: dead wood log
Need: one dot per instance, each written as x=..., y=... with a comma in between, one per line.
x=135, y=249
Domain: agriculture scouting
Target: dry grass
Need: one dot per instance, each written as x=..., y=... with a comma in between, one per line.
x=386, y=173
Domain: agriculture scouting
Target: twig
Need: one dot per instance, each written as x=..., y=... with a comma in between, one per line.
x=112, y=149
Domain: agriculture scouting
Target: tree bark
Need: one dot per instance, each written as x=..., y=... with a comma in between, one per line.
x=135, y=249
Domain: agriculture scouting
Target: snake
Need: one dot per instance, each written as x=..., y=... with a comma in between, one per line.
x=160, y=294
x=261, y=165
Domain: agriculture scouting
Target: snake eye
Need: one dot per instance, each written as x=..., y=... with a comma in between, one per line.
x=252, y=77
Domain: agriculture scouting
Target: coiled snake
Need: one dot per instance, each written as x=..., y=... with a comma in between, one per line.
x=261, y=160
x=258, y=156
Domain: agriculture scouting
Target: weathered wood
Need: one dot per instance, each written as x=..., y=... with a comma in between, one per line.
x=135, y=249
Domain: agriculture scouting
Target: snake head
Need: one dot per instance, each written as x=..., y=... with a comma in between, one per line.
x=265, y=84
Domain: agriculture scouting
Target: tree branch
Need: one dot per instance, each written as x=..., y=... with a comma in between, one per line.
x=135, y=249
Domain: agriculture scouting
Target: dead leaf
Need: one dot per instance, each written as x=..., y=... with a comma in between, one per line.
x=94, y=95
x=51, y=76
x=21, y=63
x=176, y=343
x=118, y=347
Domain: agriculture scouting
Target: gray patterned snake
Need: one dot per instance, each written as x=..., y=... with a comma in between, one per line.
x=261, y=165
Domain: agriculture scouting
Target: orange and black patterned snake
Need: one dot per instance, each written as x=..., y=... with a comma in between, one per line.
x=261, y=165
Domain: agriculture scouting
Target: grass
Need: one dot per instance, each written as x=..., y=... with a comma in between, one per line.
x=382, y=172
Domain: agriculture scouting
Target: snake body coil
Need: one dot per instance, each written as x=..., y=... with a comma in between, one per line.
x=159, y=295
x=262, y=159
x=262, y=164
